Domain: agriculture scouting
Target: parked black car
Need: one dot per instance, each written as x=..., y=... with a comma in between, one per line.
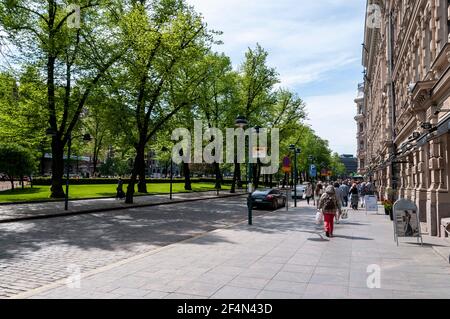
x=272, y=198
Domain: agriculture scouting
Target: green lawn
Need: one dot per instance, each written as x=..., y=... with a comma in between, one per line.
x=95, y=191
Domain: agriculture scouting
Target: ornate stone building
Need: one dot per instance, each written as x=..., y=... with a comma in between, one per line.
x=404, y=124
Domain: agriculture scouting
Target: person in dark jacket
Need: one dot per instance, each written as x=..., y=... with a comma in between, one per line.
x=354, y=194
x=120, y=193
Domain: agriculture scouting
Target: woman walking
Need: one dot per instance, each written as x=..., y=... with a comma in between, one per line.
x=329, y=205
x=309, y=192
x=354, y=194
x=318, y=193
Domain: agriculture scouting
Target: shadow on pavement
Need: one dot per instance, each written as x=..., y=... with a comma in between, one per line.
x=122, y=230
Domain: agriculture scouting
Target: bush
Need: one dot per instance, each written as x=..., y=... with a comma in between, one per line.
x=16, y=161
x=46, y=181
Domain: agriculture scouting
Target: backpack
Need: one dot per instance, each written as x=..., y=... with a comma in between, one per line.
x=329, y=204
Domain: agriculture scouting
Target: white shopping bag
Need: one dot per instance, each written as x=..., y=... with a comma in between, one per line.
x=319, y=217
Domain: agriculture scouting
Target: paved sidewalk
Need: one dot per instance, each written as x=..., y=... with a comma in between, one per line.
x=282, y=256
x=19, y=211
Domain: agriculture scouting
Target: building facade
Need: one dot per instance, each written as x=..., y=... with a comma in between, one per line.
x=351, y=164
x=361, y=132
x=405, y=119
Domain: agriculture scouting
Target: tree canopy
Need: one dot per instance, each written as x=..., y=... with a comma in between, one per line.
x=129, y=74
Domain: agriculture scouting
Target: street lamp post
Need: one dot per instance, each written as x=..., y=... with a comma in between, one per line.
x=242, y=122
x=171, y=177
x=165, y=149
x=297, y=151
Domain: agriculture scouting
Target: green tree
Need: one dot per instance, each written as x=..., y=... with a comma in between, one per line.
x=256, y=83
x=337, y=166
x=73, y=59
x=166, y=39
x=16, y=162
x=218, y=95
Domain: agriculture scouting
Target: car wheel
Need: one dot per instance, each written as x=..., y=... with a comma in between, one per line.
x=275, y=205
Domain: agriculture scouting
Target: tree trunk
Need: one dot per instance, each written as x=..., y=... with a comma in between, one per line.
x=236, y=177
x=254, y=175
x=42, y=166
x=239, y=177
x=219, y=177
x=137, y=170
x=257, y=174
x=23, y=183
x=94, y=163
x=187, y=177
x=57, y=168
x=130, y=187
x=142, y=185
x=12, y=182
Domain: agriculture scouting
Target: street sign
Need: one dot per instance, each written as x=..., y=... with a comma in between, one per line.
x=406, y=220
x=313, y=171
x=371, y=203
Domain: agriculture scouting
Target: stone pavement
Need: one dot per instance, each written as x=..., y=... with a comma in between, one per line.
x=284, y=255
x=35, y=253
x=13, y=211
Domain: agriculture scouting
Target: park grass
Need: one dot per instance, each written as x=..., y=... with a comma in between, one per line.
x=39, y=193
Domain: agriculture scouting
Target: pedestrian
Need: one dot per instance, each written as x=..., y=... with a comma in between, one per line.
x=318, y=193
x=120, y=193
x=329, y=204
x=344, y=190
x=309, y=193
x=340, y=198
x=362, y=193
x=354, y=196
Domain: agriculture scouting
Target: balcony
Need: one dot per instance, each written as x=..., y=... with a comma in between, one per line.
x=359, y=117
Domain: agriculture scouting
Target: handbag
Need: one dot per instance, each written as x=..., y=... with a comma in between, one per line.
x=319, y=217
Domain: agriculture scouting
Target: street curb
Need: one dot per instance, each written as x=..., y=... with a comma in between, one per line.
x=103, y=210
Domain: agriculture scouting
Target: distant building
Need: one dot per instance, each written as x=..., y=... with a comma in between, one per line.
x=351, y=164
x=79, y=165
x=160, y=169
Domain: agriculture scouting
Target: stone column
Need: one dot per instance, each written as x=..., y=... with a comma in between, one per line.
x=442, y=194
x=402, y=179
x=415, y=183
x=432, y=197
x=421, y=189
x=408, y=177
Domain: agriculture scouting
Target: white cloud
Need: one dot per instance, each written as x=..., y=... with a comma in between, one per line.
x=308, y=42
x=332, y=117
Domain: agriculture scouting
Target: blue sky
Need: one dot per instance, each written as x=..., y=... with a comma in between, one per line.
x=315, y=46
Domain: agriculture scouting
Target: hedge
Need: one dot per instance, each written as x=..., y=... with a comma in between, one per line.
x=46, y=181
